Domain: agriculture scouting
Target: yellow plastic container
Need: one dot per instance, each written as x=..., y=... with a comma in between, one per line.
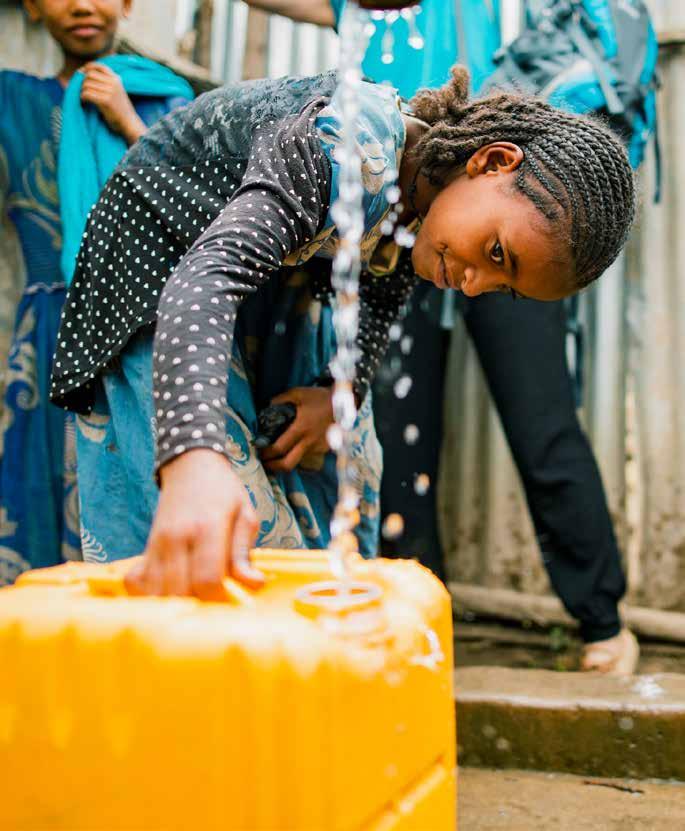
x=300, y=707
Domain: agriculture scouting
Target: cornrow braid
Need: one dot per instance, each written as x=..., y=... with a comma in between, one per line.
x=574, y=168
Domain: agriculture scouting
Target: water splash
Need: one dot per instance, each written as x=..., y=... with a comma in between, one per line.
x=434, y=656
x=356, y=26
x=415, y=38
x=348, y=215
x=647, y=687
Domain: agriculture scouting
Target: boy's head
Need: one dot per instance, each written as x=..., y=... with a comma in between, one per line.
x=85, y=29
x=533, y=199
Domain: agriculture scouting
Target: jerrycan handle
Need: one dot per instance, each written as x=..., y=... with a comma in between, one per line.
x=109, y=582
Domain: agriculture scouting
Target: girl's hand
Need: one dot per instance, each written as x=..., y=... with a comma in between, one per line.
x=103, y=88
x=203, y=530
x=307, y=434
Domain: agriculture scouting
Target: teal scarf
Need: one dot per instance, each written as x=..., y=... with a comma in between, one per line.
x=89, y=151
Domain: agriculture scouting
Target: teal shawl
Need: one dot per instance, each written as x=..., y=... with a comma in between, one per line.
x=89, y=151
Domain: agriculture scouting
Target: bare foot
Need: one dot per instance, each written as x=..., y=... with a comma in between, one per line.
x=616, y=656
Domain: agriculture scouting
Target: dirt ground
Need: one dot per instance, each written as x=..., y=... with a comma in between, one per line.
x=526, y=801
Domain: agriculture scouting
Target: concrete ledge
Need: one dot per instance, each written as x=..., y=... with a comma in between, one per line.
x=572, y=722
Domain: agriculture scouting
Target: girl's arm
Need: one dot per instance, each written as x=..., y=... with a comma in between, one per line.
x=305, y=11
x=205, y=524
x=381, y=300
x=281, y=206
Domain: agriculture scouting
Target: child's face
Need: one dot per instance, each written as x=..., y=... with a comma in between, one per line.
x=83, y=28
x=482, y=235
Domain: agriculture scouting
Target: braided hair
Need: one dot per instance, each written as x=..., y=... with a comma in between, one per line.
x=574, y=168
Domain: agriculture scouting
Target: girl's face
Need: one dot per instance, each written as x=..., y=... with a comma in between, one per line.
x=481, y=234
x=83, y=28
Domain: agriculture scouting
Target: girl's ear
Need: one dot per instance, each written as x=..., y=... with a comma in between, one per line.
x=498, y=157
x=32, y=10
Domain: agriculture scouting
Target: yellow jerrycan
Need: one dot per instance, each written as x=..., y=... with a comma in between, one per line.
x=309, y=705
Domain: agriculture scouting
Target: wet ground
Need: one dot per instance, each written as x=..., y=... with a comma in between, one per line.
x=517, y=647
x=525, y=801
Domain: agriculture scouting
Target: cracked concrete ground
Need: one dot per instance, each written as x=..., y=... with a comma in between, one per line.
x=512, y=800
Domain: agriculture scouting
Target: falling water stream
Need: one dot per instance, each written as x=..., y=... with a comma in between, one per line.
x=348, y=214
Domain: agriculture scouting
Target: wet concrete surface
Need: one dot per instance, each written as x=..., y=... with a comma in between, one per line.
x=527, y=801
x=572, y=722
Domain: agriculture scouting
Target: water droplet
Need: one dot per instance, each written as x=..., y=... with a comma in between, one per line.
x=626, y=723
x=392, y=194
x=386, y=227
x=415, y=38
x=406, y=344
x=489, y=731
x=395, y=332
x=404, y=238
x=334, y=436
x=393, y=527
x=411, y=434
x=422, y=484
x=387, y=46
x=279, y=328
x=402, y=386
x=502, y=744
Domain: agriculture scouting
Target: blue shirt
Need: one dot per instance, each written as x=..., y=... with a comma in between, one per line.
x=453, y=30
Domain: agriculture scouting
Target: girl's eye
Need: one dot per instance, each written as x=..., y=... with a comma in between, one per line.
x=497, y=254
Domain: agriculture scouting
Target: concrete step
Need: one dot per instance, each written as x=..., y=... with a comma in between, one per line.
x=525, y=801
x=572, y=722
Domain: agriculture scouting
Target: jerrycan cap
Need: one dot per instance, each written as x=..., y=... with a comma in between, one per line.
x=337, y=597
x=351, y=608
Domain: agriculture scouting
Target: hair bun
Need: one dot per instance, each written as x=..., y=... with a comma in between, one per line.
x=446, y=103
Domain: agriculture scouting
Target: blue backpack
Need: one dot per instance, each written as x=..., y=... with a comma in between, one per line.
x=588, y=56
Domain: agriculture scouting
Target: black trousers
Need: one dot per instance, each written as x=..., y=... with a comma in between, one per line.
x=521, y=347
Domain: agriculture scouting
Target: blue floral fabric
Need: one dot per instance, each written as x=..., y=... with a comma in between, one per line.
x=39, y=523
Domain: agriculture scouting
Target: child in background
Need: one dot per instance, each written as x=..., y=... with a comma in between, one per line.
x=39, y=523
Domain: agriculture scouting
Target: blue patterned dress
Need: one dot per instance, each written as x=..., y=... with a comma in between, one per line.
x=39, y=524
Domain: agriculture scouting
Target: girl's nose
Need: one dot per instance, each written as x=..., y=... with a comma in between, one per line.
x=472, y=284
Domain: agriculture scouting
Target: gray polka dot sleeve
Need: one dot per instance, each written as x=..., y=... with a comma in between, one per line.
x=279, y=207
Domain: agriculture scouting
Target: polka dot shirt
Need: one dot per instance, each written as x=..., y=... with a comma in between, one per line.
x=218, y=230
